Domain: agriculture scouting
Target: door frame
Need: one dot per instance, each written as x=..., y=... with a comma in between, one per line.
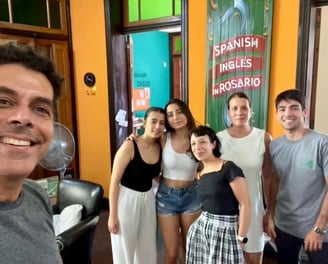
x=118, y=92
x=305, y=54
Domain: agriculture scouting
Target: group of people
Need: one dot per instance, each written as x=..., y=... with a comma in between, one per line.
x=177, y=204
x=213, y=188
x=219, y=193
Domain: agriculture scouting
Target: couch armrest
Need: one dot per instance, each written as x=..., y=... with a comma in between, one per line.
x=55, y=209
x=68, y=237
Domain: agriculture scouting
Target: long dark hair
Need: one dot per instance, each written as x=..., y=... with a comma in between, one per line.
x=185, y=110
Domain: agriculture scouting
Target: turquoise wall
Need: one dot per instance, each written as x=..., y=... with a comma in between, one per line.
x=152, y=66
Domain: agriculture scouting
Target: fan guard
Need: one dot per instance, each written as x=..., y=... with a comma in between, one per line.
x=61, y=150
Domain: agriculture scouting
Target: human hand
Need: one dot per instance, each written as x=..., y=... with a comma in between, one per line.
x=313, y=241
x=242, y=245
x=132, y=137
x=269, y=226
x=113, y=225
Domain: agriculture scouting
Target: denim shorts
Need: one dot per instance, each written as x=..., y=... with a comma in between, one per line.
x=171, y=201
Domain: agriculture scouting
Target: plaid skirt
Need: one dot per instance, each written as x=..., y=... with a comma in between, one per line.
x=212, y=239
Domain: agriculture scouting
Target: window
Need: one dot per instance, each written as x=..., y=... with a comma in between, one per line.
x=137, y=12
x=46, y=14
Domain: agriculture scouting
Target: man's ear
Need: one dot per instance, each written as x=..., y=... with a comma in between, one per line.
x=305, y=112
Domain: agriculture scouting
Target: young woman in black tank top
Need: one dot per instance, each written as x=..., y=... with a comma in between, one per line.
x=132, y=217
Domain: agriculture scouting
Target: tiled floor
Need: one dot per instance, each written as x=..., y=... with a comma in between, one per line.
x=102, y=250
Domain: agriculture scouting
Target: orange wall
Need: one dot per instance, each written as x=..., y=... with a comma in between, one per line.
x=89, y=51
x=283, y=57
x=196, y=57
x=89, y=48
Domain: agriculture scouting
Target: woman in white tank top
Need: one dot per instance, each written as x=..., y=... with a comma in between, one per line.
x=248, y=147
x=177, y=203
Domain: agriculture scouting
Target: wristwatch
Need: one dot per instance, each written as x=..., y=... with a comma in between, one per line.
x=319, y=231
x=242, y=239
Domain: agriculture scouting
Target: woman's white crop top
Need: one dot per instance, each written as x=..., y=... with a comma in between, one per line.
x=177, y=166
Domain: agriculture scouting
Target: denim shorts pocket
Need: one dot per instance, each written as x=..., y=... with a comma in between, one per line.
x=162, y=193
x=193, y=188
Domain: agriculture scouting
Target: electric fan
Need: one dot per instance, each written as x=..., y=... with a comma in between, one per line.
x=61, y=150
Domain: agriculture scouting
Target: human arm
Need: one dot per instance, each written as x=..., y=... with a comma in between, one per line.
x=122, y=158
x=269, y=217
x=313, y=241
x=267, y=168
x=162, y=142
x=135, y=137
x=239, y=188
x=158, y=178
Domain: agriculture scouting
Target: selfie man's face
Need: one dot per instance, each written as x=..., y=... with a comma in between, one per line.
x=26, y=119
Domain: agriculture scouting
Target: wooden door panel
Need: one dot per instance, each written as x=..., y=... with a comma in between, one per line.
x=176, y=77
x=59, y=55
x=57, y=51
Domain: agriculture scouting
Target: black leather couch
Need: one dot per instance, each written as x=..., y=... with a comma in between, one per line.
x=75, y=244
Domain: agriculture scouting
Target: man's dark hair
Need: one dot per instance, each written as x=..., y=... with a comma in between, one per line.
x=24, y=55
x=291, y=94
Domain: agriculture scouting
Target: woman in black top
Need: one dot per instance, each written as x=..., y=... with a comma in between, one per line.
x=132, y=217
x=219, y=232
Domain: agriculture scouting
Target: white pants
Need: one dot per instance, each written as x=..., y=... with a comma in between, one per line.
x=135, y=242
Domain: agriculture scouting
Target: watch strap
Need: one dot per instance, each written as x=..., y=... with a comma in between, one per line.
x=242, y=239
x=319, y=231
